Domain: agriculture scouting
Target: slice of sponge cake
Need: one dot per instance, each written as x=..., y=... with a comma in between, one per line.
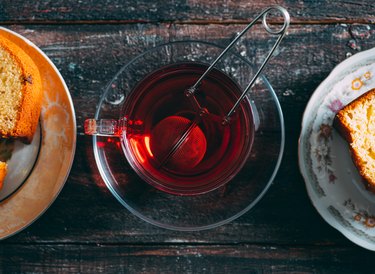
x=20, y=95
x=356, y=123
x=20, y=92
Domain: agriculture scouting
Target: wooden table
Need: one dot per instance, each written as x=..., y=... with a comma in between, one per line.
x=87, y=230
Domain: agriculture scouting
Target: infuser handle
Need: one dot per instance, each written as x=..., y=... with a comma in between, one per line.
x=104, y=127
x=280, y=32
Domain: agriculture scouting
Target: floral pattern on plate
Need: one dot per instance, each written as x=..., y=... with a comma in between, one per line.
x=332, y=181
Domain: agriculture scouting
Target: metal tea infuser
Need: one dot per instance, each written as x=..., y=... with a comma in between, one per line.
x=112, y=127
x=281, y=32
x=193, y=89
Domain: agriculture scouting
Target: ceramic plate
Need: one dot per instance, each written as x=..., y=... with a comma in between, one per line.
x=332, y=181
x=55, y=150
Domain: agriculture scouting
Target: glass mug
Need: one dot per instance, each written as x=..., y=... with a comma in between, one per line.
x=187, y=127
x=169, y=143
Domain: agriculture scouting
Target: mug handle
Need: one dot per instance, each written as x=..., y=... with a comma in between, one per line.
x=105, y=127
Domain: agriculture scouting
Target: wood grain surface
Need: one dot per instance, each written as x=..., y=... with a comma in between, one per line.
x=192, y=11
x=87, y=230
x=181, y=259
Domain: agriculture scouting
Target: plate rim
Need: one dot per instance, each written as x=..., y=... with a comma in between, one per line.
x=74, y=130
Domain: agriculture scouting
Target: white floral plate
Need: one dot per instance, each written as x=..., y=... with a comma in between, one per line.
x=56, y=150
x=332, y=181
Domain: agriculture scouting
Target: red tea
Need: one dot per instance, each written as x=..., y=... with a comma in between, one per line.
x=177, y=148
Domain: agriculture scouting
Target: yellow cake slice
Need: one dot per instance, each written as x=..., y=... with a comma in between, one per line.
x=356, y=123
x=20, y=92
x=20, y=95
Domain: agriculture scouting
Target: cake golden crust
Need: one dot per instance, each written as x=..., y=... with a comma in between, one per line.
x=356, y=124
x=3, y=173
x=31, y=89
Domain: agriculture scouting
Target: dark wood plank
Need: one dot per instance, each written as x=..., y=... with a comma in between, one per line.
x=182, y=259
x=86, y=212
x=200, y=11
